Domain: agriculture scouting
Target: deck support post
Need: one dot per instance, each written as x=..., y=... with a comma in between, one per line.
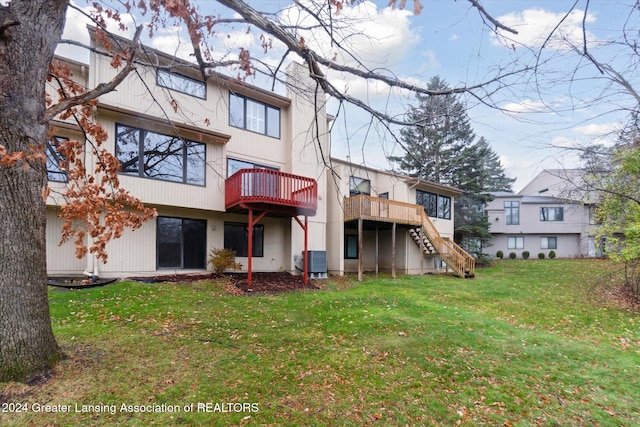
x=305, y=258
x=359, y=249
x=393, y=250
x=252, y=222
x=377, y=257
x=421, y=250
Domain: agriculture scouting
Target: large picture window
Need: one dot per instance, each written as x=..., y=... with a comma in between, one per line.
x=249, y=114
x=181, y=243
x=153, y=155
x=236, y=238
x=435, y=205
x=56, y=163
x=181, y=83
x=551, y=214
x=512, y=212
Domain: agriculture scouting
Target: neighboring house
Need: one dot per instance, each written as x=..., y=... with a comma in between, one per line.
x=551, y=213
x=232, y=158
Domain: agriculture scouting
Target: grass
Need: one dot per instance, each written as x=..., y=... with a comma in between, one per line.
x=524, y=343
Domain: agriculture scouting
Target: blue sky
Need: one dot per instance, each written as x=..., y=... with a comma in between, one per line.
x=554, y=108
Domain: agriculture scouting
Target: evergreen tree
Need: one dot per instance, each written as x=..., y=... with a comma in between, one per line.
x=482, y=172
x=440, y=135
x=440, y=148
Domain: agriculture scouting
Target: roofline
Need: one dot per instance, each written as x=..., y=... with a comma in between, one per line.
x=407, y=179
x=233, y=84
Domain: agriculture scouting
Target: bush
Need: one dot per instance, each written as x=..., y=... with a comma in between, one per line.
x=222, y=260
x=512, y=255
x=525, y=254
x=552, y=254
x=541, y=255
x=500, y=254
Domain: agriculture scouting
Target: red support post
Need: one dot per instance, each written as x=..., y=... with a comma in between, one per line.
x=250, y=248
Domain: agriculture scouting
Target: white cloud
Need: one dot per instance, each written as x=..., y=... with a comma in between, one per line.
x=76, y=29
x=535, y=28
x=377, y=39
x=597, y=130
x=525, y=106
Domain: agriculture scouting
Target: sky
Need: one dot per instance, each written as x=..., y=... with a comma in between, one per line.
x=531, y=121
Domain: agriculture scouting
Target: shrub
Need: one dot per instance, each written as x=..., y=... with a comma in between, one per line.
x=552, y=254
x=525, y=254
x=500, y=254
x=541, y=255
x=222, y=260
x=512, y=255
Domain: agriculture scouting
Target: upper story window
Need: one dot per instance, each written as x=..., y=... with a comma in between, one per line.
x=181, y=83
x=249, y=114
x=512, y=212
x=551, y=214
x=56, y=163
x=435, y=205
x=359, y=186
x=149, y=154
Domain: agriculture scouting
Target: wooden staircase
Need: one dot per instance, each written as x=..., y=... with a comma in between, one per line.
x=384, y=210
x=453, y=255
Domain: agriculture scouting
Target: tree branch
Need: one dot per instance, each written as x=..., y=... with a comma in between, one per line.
x=490, y=18
x=99, y=90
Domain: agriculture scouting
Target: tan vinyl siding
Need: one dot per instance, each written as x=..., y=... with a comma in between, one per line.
x=61, y=259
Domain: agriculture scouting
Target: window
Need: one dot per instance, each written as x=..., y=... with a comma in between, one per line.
x=515, y=242
x=181, y=83
x=548, y=243
x=234, y=166
x=444, y=207
x=435, y=205
x=384, y=195
x=359, y=186
x=153, y=155
x=181, y=243
x=551, y=214
x=350, y=246
x=512, y=212
x=56, y=163
x=236, y=238
x=249, y=114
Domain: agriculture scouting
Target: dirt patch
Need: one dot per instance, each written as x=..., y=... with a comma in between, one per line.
x=261, y=282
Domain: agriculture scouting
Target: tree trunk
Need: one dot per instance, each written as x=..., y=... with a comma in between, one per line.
x=29, y=32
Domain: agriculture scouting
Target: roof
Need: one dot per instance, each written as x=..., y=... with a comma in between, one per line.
x=412, y=182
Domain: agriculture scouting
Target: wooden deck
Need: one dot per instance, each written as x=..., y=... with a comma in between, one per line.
x=277, y=193
x=384, y=210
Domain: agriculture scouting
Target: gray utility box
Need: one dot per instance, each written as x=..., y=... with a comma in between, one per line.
x=317, y=261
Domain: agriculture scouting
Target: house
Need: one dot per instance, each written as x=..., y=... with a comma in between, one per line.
x=232, y=157
x=551, y=213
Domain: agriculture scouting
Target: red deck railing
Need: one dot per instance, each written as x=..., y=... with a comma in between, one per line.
x=250, y=188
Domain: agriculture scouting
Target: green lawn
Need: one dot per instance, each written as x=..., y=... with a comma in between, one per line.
x=524, y=343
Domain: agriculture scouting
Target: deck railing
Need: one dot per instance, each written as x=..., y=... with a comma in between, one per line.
x=265, y=186
x=376, y=209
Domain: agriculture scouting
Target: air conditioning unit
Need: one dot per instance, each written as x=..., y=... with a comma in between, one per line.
x=317, y=261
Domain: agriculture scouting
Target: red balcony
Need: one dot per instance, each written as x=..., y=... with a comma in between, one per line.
x=277, y=193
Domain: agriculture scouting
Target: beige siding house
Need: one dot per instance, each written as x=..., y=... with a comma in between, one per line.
x=214, y=157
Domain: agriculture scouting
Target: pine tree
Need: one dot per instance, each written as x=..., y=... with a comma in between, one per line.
x=440, y=147
x=441, y=133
